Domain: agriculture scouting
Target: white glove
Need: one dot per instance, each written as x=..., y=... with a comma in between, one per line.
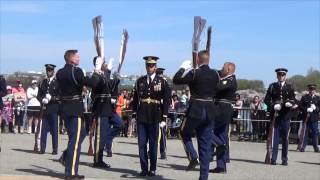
x=45, y=101
x=110, y=63
x=309, y=110
x=48, y=96
x=98, y=64
x=84, y=72
x=288, y=104
x=313, y=107
x=113, y=101
x=277, y=107
x=162, y=124
x=186, y=64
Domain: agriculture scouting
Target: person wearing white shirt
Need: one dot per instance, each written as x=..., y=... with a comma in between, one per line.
x=33, y=108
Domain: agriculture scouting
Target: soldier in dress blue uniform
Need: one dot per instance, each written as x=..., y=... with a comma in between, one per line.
x=115, y=120
x=101, y=108
x=225, y=95
x=149, y=91
x=71, y=80
x=280, y=99
x=202, y=82
x=310, y=106
x=163, y=125
x=48, y=96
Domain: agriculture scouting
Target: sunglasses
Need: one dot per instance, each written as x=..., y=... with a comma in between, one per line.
x=150, y=65
x=281, y=74
x=49, y=70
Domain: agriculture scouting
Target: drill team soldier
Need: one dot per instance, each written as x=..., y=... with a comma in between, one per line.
x=148, y=92
x=225, y=95
x=280, y=99
x=310, y=107
x=48, y=96
x=102, y=110
x=163, y=125
x=71, y=80
x=201, y=112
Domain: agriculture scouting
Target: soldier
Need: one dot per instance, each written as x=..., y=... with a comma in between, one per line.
x=48, y=96
x=149, y=90
x=71, y=80
x=225, y=95
x=280, y=98
x=101, y=109
x=163, y=125
x=115, y=120
x=201, y=112
x=309, y=106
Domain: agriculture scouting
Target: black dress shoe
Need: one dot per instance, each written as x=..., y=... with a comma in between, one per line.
x=316, y=150
x=219, y=170
x=143, y=173
x=101, y=165
x=284, y=163
x=54, y=152
x=80, y=176
x=301, y=150
x=193, y=163
x=163, y=156
x=74, y=177
x=152, y=173
x=109, y=153
x=273, y=163
x=41, y=152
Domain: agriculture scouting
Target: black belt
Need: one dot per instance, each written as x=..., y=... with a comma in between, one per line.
x=71, y=98
x=225, y=101
x=204, y=99
x=102, y=96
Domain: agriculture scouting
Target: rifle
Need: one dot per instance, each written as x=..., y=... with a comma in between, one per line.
x=270, y=139
x=37, y=134
x=303, y=132
x=208, y=46
x=199, y=24
x=91, y=134
x=98, y=35
x=123, y=49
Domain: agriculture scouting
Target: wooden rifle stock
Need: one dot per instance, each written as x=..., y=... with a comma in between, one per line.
x=270, y=139
x=91, y=134
x=303, y=132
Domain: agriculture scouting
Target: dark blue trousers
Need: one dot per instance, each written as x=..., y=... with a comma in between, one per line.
x=102, y=130
x=220, y=138
x=148, y=132
x=163, y=140
x=281, y=130
x=49, y=123
x=312, y=128
x=76, y=133
x=117, y=125
x=204, y=130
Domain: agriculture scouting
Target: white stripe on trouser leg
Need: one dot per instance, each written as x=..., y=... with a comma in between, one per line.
x=75, y=150
x=159, y=139
x=39, y=134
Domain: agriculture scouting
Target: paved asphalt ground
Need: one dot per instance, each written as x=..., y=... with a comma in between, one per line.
x=17, y=161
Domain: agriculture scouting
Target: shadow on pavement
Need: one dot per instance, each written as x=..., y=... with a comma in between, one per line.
x=123, y=142
x=176, y=167
x=42, y=171
x=24, y=150
x=175, y=156
x=248, y=161
x=311, y=163
x=129, y=155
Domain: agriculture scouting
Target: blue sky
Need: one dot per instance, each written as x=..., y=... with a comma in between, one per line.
x=257, y=35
